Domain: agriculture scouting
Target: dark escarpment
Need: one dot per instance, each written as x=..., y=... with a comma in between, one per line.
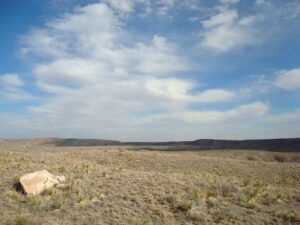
x=282, y=144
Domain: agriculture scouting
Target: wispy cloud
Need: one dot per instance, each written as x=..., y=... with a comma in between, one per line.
x=286, y=117
x=11, y=88
x=11, y=81
x=229, y=1
x=288, y=79
x=248, y=111
x=226, y=30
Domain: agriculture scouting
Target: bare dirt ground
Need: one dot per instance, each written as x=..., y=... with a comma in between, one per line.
x=119, y=185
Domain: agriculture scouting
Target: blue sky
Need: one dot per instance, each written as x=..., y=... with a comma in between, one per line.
x=150, y=70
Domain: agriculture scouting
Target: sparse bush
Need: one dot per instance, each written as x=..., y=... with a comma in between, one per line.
x=21, y=220
x=13, y=195
x=207, y=192
x=16, y=178
x=220, y=215
x=171, y=199
x=253, y=192
x=61, y=169
x=48, y=191
x=251, y=158
x=56, y=205
x=184, y=206
x=196, y=194
x=197, y=215
x=295, y=158
x=225, y=189
x=245, y=183
x=268, y=199
x=289, y=217
x=280, y=158
x=140, y=222
x=80, y=198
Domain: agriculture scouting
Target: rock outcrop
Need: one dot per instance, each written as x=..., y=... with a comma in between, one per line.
x=35, y=183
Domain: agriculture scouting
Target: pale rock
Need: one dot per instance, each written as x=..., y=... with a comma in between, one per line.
x=35, y=183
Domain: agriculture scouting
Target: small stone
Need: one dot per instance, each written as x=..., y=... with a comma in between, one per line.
x=95, y=200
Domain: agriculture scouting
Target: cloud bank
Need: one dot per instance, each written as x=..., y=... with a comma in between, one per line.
x=104, y=80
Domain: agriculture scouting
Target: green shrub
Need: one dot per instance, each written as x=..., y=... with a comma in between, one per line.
x=140, y=222
x=21, y=220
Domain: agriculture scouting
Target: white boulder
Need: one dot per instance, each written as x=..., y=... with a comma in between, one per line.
x=35, y=183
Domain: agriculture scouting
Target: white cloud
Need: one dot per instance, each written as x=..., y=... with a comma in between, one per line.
x=126, y=6
x=41, y=43
x=215, y=95
x=180, y=90
x=287, y=117
x=158, y=7
x=225, y=31
x=11, y=80
x=260, y=2
x=11, y=85
x=68, y=72
x=288, y=79
x=163, y=6
x=229, y=1
x=16, y=95
x=192, y=4
x=224, y=17
x=248, y=111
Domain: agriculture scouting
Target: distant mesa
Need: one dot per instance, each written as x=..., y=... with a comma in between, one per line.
x=281, y=144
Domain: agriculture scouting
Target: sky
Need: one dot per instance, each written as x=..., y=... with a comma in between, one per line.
x=150, y=70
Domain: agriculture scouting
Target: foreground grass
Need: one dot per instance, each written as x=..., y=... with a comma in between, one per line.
x=120, y=186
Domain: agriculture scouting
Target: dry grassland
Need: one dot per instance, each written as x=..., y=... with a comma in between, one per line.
x=117, y=185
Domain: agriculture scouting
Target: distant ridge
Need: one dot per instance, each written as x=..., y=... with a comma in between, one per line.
x=281, y=144
x=60, y=142
x=84, y=142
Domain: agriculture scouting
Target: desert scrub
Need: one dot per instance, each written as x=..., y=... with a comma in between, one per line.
x=271, y=198
x=197, y=214
x=251, y=158
x=15, y=178
x=48, y=191
x=280, y=158
x=61, y=169
x=245, y=183
x=253, y=192
x=13, y=195
x=211, y=191
x=80, y=198
x=140, y=222
x=197, y=194
x=56, y=204
x=224, y=189
x=21, y=220
x=289, y=217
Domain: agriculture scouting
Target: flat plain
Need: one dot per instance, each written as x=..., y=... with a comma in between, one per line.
x=130, y=185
